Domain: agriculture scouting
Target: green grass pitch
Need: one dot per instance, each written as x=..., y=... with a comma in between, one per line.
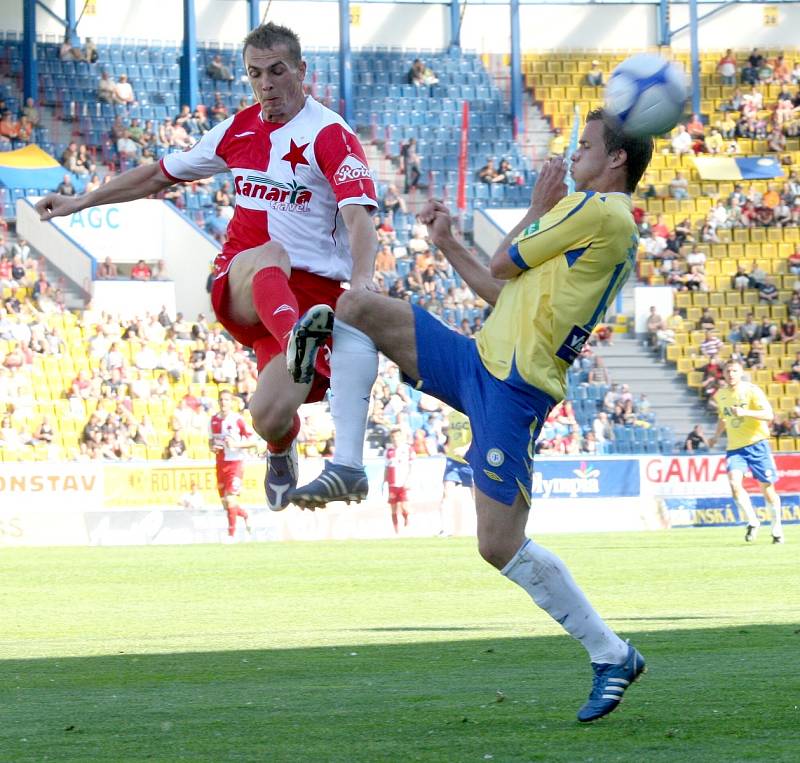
x=407, y=650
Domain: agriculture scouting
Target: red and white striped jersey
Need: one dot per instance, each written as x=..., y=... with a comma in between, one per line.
x=398, y=465
x=291, y=179
x=231, y=426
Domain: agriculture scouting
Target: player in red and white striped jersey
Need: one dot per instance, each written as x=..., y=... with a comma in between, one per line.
x=229, y=438
x=399, y=456
x=302, y=225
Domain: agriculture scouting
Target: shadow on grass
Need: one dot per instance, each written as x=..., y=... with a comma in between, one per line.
x=710, y=694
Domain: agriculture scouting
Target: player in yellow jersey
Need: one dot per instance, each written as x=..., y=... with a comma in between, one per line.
x=550, y=282
x=744, y=415
x=457, y=472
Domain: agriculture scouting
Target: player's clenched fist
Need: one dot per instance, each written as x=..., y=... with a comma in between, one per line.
x=436, y=217
x=56, y=205
x=550, y=187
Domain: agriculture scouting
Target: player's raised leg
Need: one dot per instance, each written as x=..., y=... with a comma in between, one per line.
x=354, y=367
x=259, y=291
x=546, y=579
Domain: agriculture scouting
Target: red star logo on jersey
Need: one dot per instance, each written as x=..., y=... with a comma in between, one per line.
x=295, y=155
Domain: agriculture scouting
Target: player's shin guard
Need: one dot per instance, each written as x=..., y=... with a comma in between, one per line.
x=275, y=303
x=549, y=583
x=354, y=367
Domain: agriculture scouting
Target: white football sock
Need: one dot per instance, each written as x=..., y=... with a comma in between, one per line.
x=548, y=582
x=746, y=508
x=775, y=508
x=354, y=367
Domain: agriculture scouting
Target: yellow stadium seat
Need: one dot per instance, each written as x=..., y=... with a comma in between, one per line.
x=700, y=298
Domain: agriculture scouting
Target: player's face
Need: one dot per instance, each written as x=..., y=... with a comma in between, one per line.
x=277, y=81
x=733, y=374
x=591, y=160
x=225, y=403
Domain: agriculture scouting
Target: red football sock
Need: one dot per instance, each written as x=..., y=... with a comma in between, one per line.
x=278, y=446
x=275, y=303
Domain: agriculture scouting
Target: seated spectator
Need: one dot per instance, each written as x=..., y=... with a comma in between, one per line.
x=726, y=68
x=711, y=381
x=222, y=196
x=127, y=148
x=781, y=74
x=695, y=127
x=796, y=367
x=488, y=173
x=734, y=103
x=776, y=141
x=768, y=292
x=793, y=261
x=767, y=330
x=217, y=225
x=90, y=54
x=161, y=272
x=594, y=77
x=218, y=111
x=755, y=357
x=707, y=321
x=505, y=173
x=788, y=330
x=9, y=128
x=65, y=188
x=681, y=141
x=30, y=111
x=218, y=71
x=416, y=73
x=392, y=201
x=106, y=270
x=727, y=128
x=385, y=261
x=105, y=88
x=695, y=440
x=141, y=271
x=176, y=447
x=123, y=91
x=715, y=143
x=679, y=186
x=711, y=344
x=68, y=52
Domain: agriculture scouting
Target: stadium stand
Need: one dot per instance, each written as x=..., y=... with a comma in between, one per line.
x=390, y=112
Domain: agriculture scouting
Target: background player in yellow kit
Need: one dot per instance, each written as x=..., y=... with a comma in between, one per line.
x=744, y=415
x=457, y=472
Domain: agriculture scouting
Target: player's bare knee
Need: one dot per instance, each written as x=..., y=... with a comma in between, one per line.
x=271, y=255
x=270, y=422
x=352, y=308
x=493, y=551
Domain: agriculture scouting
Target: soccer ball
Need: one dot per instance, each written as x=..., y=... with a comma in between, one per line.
x=646, y=95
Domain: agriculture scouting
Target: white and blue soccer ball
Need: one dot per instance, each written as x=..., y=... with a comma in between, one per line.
x=646, y=95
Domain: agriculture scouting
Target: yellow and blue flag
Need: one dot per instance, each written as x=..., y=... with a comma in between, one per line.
x=738, y=167
x=30, y=167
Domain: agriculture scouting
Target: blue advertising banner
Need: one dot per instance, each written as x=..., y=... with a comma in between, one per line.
x=722, y=511
x=601, y=478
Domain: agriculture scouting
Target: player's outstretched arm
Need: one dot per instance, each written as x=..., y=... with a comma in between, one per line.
x=133, y=184
x=717, y=433
x=436, y=216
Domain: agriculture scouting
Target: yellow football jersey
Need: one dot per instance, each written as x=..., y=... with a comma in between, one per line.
x=743, y=430
x=574, y=259
x=459, y=436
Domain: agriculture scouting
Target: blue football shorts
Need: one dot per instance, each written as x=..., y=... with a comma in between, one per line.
x=505, y=415
x=457, y=472
x=756, y=457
